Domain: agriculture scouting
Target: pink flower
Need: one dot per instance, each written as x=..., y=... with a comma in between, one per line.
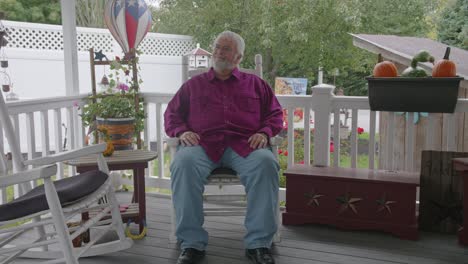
x=280, y=151
x=122, y=87
x=285, y=153
x=76, y=104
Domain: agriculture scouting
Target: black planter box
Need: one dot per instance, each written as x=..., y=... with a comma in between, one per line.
x=424, y=94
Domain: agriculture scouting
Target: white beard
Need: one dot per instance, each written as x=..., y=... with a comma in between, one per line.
x=222, y=65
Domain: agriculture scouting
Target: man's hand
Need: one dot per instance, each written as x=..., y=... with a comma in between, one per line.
x=258, y=140
x=189, y=138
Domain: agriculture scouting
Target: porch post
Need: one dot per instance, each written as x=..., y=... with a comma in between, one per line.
x=70, y=52
x=321, y=104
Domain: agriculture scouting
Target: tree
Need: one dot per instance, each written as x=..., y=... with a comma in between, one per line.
x=37, y=11
x=396, y=17
x=453, y=26
x=90, y=13
x=296, y=37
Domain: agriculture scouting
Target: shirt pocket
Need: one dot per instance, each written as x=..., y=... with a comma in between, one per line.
x=249, y=103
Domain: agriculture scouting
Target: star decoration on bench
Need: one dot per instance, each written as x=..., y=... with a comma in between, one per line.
x=347, y=201
x=98, y=55
x=384, y=204
x=313, y=197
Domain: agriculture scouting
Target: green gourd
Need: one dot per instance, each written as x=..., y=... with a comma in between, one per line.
x=423, y=56
x=414, y=70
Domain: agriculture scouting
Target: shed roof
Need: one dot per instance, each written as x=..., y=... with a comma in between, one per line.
x=402, y=50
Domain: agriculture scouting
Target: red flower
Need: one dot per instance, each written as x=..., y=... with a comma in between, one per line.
x=332, y=147
x=285, y=153
x=285, y=125
x=360, y=130
x=301, y=162
x=299, y=113
x=280, y=151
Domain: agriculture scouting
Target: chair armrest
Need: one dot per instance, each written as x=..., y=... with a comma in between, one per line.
x=28, y=175
x=172, y=142
x=68, y=155
x=276, y=141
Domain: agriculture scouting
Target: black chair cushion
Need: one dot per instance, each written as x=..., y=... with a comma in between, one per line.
x=69, y=190
x=223, y=170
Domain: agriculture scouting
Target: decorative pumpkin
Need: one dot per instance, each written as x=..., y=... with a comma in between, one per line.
x=385, y=68
x=414, y=70
x=444, y=67
x=424, y=56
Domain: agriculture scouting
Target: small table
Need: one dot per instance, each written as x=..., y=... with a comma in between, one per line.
x=461, y=166
x=136, y=160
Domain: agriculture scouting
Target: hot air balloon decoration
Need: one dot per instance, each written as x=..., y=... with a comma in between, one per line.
x=128, y=21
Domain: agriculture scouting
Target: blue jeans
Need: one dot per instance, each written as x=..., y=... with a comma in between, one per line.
x=258, y=172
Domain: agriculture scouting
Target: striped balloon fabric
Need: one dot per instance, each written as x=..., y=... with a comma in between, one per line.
x=128, y=21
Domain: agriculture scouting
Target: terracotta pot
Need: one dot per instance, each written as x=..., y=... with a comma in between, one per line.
x=120, y=130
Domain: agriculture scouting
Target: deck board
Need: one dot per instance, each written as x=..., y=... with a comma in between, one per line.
x=314, y=244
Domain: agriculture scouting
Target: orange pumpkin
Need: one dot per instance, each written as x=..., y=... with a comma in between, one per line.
x=444, y=67
x=385, y=68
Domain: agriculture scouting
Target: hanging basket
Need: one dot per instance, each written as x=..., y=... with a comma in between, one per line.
x=424, y=94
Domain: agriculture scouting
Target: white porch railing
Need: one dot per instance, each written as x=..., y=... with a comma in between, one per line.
x=40, y=130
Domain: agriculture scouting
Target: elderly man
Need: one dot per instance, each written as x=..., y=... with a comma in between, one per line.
x=224, y=118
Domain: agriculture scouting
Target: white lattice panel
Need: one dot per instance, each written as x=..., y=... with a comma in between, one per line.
x=34, y=38
x=87, y=40
x=156, y=45
x=50, y=37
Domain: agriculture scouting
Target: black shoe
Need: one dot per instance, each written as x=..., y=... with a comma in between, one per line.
x=260, y=256
x=190, y=256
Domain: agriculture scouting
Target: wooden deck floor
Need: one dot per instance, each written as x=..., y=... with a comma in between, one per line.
x=312, y=244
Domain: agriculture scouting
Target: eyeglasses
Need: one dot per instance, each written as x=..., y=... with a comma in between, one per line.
x=223, y=48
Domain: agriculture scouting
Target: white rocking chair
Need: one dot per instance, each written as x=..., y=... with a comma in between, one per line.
x=47, y=208
x=226, y=176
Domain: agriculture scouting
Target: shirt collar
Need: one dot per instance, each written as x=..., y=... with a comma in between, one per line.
x=235, y=72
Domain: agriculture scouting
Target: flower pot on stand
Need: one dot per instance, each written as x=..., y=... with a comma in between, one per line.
x=120, y=130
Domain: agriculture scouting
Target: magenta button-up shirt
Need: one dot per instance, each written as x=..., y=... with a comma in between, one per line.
x=224, y=113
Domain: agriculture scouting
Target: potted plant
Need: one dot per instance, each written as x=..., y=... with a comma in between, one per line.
x=114, y=109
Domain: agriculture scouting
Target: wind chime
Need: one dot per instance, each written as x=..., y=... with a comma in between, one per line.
x=4, y=71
